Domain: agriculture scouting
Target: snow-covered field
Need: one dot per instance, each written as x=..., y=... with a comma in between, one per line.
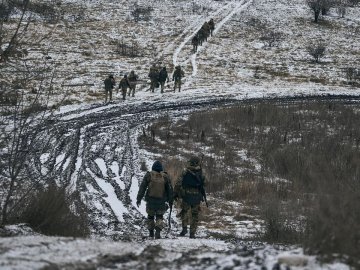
x=96, y=149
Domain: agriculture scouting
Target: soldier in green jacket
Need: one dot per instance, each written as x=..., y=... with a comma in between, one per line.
x=190, y=187
x=157, y=188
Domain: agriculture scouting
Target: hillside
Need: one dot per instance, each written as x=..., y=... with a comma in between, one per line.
x=94, y=148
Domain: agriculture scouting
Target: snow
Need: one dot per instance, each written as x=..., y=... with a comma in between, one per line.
x=223, y=67
x=111, y=198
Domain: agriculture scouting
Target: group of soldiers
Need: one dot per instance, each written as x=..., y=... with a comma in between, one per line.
x=127, y=82
x=158, y=77
x=158, y=191
x=202, y=35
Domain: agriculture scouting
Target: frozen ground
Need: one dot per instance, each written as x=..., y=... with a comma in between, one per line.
x=94, y=147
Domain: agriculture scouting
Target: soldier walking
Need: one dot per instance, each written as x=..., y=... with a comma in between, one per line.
x=123, y=85
x=109, y=83
x=157, y=188
x=211, y=26
x=153, y=75
x=132, y=82
x=177, y=76
x=190, y=188
x=195, y=43
x=163, y=76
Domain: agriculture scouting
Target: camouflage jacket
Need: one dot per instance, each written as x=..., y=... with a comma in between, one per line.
x=109, y=83
x=154, y=202
x=133, y=77
x=178, y=74
x=189, y=184
x=124, y=83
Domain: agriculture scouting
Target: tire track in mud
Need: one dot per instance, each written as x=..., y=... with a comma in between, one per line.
x=96, y=154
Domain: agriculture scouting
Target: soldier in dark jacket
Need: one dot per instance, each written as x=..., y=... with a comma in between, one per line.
x=211, y=26
x=132, y=78
x=154, y=76
x=123, y=85
x=177, y=76
x=163, y=76
x=109, y=86
x=188, y=187
x=157, y=188
x=195, y=43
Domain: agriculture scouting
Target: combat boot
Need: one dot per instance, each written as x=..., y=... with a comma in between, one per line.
x=157, y=233
x=192, y=235
x=183, y=232
x=151, y=233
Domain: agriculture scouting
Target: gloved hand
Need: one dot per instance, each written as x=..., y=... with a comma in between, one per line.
x=138, y=203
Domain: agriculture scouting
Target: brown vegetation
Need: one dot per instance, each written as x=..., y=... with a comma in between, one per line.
x=298, y=162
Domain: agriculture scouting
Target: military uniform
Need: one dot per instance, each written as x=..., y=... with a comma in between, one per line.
x=154, y=76
x=211, y=26
x=177, y=75
x=163, y=76
x=157, y=188
x=132, y=82
x=109, y=86
x=195, y=43
x=123, y=85
x=188, y=188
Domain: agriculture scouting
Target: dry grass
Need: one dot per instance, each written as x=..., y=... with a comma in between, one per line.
x=51, y=212
x=298, y=162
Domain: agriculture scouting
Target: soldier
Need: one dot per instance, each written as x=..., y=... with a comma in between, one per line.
x=206, y=29
x=177, y=75
x=190, y=188
x=211, y=26
x=163, y=76
x=109, y=86
x=195, y=43
x=154, y=76
x=157, y=186
x=132, y=82
x=123, y=85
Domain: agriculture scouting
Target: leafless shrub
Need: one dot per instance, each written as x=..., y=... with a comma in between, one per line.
x=319, y=7
x=354, y=2
x=317, y=51
x=130, y=49
x=271, y=38
x=140, y=13
x=49, y=211
x=341, y=8
x=352, y=74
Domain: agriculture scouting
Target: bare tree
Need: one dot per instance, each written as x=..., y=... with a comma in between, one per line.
x=341, y=8
x=317, y=51
x=319, y=7
x=23, y=109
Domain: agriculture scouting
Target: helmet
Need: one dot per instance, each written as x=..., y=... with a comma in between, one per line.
x=194, y=161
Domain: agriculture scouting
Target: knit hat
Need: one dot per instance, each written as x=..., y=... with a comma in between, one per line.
x=157, y=166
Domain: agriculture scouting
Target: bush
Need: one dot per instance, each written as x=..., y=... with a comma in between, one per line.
x=51, y=211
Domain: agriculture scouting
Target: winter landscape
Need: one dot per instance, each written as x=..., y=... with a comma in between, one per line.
x=269, y=102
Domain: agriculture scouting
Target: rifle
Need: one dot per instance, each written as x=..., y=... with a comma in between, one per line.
x=203, y=193
x=202, y=190
x=169, y=220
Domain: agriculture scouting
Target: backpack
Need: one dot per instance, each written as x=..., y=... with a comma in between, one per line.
x=156, y=187
x=191, y=180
